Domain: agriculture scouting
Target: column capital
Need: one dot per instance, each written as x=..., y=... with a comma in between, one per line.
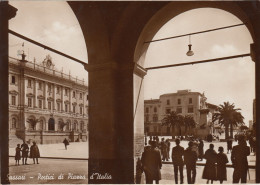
x=7, y=10
x=254, y=51
x=136, y=68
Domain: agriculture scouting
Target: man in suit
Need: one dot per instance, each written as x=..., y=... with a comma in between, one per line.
x=152, y=163
x=177, y=160
x=239, y=159
x=190, y=158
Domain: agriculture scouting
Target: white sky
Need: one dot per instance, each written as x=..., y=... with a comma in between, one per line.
x=53, y=23
x=230, y=80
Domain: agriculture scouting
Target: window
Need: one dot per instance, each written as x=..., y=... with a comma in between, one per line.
x=40, y=86
x=81, y=110
x=49, y=105
x=155, y=128
x=190, y=100
x=80, y=95
x=87, y=96
x=13, y=123
x=81, y=126
x=168, y=102
x=13, y=79
x=147, y=118
x=168, y=111
x=66, y=107
x=41, y=127
x=58, y=90
x=29, y=83
x=49, y=87
x=58, y=106
x=147, y=110
x=40, y=104
x=13, y=100
x=179, y=110
x=155, y=118
x=74, y=94
x=74, y=108
x=155, y=109
x=29, y=102
x=190, y=109
x=66, y=92
x=179, y=101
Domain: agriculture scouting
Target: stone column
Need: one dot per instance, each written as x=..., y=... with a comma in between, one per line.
x=255, y=54
x=35, y=92
x=45, y=95
x=62, y=99
x=111, y=113
x=6, y=12
x=54, y=97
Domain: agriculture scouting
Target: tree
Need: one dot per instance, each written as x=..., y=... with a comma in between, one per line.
x=174, y=120
x=189, y=123
x=228, y=116
x=33, y=122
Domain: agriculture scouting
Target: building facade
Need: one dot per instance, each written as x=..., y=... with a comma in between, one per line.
x=46, y=105
x=184, y=102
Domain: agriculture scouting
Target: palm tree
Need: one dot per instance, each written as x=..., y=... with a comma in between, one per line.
x=174, y=120
x=228, y=116
x=189, y=123
x=33, y=122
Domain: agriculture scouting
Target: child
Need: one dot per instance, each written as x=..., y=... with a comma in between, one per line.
x=17, y=154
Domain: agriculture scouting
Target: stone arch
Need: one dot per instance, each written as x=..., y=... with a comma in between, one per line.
x=42, y=123
x=75, y=125
x=172, y=9
x=60, y=125
x=68, y=125
x=30, y=125
x=14, y=122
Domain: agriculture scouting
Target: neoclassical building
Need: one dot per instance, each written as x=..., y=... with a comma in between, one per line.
x=184, y=102
x=46, y=105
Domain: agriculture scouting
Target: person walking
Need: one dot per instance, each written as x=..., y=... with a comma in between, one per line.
x=17, y=154
x=163, y=148
x=66, y=143
x=239, y=159
x=34, y=153
x=210, y=171
x=177, y=160
x=201, y=149
x=222, y=160
x=152, y=163
x=25, y=151
x=190, y=158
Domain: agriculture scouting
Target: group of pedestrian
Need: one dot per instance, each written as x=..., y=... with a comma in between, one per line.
x=32, y=152
x=215, y=167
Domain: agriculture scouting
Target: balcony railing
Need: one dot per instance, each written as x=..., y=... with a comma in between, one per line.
x=43, y=69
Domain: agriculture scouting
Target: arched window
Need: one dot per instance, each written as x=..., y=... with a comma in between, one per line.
x=81, y=126
x=41, y=125
x=51, y=124
x=75, y=126
x=13, y=126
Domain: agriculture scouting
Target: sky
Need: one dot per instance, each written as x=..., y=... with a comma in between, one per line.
x=230, y=80
x=54, y=24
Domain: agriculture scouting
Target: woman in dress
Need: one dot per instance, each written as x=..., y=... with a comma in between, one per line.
x=17, y=154
x=210, y=172
x=222, y=160
x=34, y=152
